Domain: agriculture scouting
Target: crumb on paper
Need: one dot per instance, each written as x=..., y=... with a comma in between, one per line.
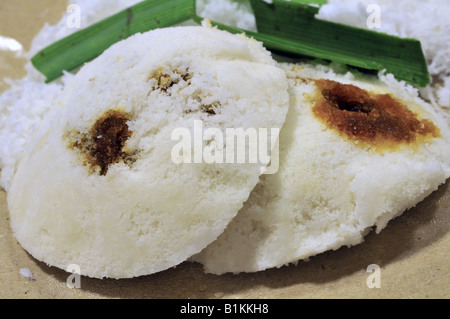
x=26, y=273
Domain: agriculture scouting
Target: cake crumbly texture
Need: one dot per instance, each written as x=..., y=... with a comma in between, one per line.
x=99, y=186
x=336, y=180
x=30, y=99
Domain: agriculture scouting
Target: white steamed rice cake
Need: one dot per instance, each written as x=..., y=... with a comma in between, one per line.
x=351, y=158
x=98, y=186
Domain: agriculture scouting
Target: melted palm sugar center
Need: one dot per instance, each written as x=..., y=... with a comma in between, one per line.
x=104, y=145
x=375, y=119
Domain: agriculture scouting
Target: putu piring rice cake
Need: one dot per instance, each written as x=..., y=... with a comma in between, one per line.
x=354, y=153
x=98, y=186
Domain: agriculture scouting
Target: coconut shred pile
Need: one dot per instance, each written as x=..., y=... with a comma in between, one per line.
x=29, y=99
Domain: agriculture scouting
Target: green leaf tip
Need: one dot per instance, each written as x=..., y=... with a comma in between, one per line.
x=367, y=49
x=85, y=45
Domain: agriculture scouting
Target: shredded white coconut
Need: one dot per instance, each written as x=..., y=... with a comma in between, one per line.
x=234, y=13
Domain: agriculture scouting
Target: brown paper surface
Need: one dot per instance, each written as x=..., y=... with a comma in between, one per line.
x=412, y=252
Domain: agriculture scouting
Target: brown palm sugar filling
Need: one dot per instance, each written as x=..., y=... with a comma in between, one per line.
x=378, y=120
x=105, y=143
